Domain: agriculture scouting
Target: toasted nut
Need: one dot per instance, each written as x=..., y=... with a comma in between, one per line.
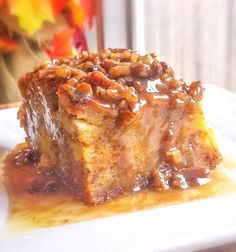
x=72, y=82
x=131, y=96
x=114, y=56
x=174, y=84
x=87, y=65
x=50, y=74
x=113, y=93
x=156, y=70
x=125, y=55
x=78, y=74
x=164, y=76
x=117, y=86
x=181, y=97
x=100, y=91
x=146, y=59
x=133, y=57
x=98, y=78
x=196, y=90
x=107, y=51
x=102, y=56
x=84, y=88
x=178, y=100
x=107, y=64
x=80, y=66
x=118, y=71
x=140, y=70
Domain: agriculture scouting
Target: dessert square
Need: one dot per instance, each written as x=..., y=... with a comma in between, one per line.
x=116, y=122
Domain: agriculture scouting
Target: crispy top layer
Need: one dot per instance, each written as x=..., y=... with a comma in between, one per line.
x=114, y=79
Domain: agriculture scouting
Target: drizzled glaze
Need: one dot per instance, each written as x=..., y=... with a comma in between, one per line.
x=115, y=78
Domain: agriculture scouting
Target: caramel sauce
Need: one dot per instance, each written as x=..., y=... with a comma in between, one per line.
x=34, y=210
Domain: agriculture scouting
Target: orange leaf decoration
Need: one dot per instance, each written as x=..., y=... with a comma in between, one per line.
x=58, y=6
x=80, y=41
x=75, y=13
x=1, y=2
x=7, y=44
x=61, y=44
x=88, y=6
x=31, y=13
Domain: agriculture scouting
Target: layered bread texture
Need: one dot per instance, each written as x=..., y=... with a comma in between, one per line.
x=116, y=122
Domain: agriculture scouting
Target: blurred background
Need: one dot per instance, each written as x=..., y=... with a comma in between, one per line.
x=196, y=37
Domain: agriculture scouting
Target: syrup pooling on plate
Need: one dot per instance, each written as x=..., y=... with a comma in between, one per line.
x=38, y=200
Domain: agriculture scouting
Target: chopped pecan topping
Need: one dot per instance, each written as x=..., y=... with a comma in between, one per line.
x=115, y=75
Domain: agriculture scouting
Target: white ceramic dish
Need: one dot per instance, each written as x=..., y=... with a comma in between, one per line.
x=182, y=227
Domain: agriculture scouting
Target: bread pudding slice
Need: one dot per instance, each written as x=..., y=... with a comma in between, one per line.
x=116, y=122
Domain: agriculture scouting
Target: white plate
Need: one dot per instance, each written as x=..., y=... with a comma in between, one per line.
x=182, y=227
